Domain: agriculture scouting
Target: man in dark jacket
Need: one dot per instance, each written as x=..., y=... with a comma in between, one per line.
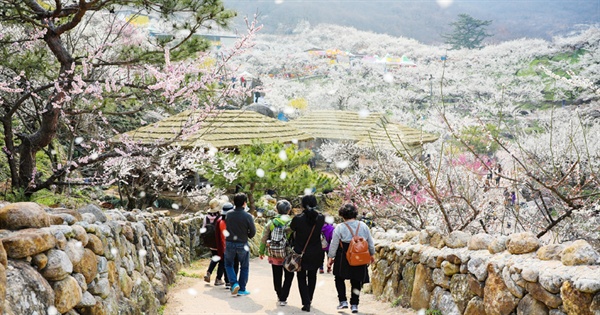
x=240, y=228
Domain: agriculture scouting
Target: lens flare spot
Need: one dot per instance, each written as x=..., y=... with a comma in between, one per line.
x=246, y=248
x=283, y=175
x=329, y=219
x=52, y=311
x=283, y=155
x=342, y=164
x=192, y=292
x=226, y=233
x=363, y=113
x=143, y=252
x=114, y=251
x=202, y=230
x=308, y=191
x=78, y=140
x=175, y=206
x=260, y=173
x=444, y=3
x=388, y=78
x=215, y=258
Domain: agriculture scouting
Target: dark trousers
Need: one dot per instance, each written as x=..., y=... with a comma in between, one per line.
x=307, y=281
x=219, y=264
x=283, y=291
x=340, y=286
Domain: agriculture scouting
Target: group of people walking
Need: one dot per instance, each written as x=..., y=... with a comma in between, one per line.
x=307, y=233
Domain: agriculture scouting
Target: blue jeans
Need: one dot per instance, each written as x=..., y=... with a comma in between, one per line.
x=235, y=250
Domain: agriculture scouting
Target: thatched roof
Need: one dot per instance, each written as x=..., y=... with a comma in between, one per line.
x=226, y=129
x=338, y=125
x=396, y=136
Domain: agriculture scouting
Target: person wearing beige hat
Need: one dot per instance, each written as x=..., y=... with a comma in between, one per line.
x=211, y=238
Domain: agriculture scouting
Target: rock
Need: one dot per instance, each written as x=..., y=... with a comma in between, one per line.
x=95, y=210
x=95, y=244
x=478, y=267
x=410, y=235
x=587, y=285
x=405, y=287
x=2, y=287
x=530, y=306
x=67, y=294
x=40, y=261
x=442, y=300
x=475, y=307
x=3, y=256
x=88, y=218
x=595, y=306
x=127, y=231
x=66, y=212
x=457, y=239
x=550, y=252
x=575, y=302
x=101, y=287
x=55, y=219
x=125, y=283
x=461, y=291
x=454, y=259
x=522, y=243
x=28, y=242
x=87, y=300
x=59, y=265
x=450, y=268
x=551, y=280
x=61, y=240
x=480, y=241
x=498, y=244
x=74, y=250
x=80, y=280
x=112, y=272
x=476, y=286
x=80, y=234
x=27, y=292
x=580, y=252
x=511, y=285
x=541, y=294
x=87, y=266
x=440, y=279
x=530, y=274
x=496, y=297
x=23, y=215
x=96, y=309
x=422, y=288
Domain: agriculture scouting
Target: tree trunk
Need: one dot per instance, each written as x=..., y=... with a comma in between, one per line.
x=31, y=144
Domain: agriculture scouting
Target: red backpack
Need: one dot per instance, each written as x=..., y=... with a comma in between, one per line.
x=358, y=250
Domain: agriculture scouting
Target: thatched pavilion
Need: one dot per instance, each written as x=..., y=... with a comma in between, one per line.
x=224, y=129
x=366, y=129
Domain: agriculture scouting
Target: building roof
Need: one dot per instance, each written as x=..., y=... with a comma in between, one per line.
x=396, y=137
x=364, y=128
x=338, y=125
x=225, y=129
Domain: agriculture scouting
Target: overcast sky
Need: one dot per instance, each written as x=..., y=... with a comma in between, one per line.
x=425, y=20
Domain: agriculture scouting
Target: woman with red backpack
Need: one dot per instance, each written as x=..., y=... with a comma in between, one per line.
x=350, y=231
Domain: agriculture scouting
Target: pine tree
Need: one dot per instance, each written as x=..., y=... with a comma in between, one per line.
x=468, y=32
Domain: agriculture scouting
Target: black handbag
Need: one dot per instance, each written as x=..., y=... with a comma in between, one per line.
x=293, y=261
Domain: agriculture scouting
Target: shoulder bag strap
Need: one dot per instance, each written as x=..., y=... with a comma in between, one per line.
x=308, y=239
x=346, y=224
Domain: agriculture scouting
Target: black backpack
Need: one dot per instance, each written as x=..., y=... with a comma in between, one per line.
x=209, y=236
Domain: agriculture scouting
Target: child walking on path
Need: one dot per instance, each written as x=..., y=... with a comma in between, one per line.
x=213, y=239
x=275, y=238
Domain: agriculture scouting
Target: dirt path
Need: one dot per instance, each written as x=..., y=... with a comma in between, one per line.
x=191, y=295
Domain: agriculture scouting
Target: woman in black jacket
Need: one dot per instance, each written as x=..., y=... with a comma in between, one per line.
x=309, y=220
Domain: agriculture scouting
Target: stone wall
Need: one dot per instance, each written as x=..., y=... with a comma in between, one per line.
x=480, y=274
x=89, y=261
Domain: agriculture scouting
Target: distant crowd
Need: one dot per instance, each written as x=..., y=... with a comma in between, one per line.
x=304, y=244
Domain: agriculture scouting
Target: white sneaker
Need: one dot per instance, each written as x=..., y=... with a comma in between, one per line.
x=282, y=303
x=343, y=304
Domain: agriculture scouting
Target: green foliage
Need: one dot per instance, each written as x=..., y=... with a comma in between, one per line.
x=73, y=201
x=478, y=138
x=268, y=158
x=433, y=312
x=397, y=301
x=467, y=32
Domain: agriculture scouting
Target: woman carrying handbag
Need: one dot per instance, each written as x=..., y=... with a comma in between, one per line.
x=342, y=270
x=307, y=227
